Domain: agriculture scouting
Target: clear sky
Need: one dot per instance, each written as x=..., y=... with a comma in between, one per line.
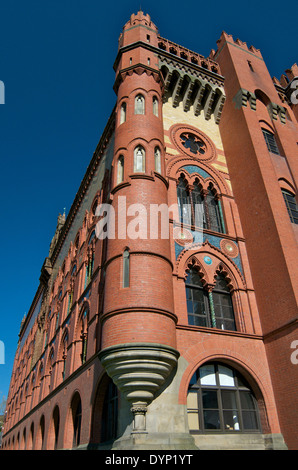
x=56, y=61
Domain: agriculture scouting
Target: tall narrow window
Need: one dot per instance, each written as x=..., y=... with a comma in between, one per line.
x=84, y=329
x=197, y=300
x=157, y=158
x=56, y=422
x=123, y=113
x=199, y=213
x=125, y=280
x=139, y=104
x=139, y=160
x=77, y=419
x=183, y=201
x=155, y=106
x=270, y=141
x=212, y=213
x=291, y=205
x=223, y=306
x=64, y=354
x=120, y=169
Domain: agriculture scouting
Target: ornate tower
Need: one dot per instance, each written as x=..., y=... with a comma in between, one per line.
x=138, y=322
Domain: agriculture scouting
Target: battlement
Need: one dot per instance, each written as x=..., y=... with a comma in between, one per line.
x=287, y=77
x=228, y=38
x=187, y=54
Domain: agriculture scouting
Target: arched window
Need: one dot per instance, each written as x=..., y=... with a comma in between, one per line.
x=213, y=309
x=139, y=160
x=212, y=212
x=110, y=413
x=220, y=400
x=157, y=160
x=40, y=436
x=199, y=207
x=56, y=423
x=120, y=169
x=123, y=113
x=84, y=335
x=291, y=205
x=125, y=277
x=183, y=201
x=222, y=304
x=76, y=408
x=64, y=353
x=270, y=141
x=155, y=106
x=139, y=104
x=90, y=260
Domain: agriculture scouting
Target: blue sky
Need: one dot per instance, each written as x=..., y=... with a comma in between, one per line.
x=56, y=61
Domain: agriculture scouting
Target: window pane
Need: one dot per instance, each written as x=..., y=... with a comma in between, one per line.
x=249, y=420
x=229, y=399
x=211, y=419
x=247, y=401
x=226, y=377
x=207, y=375
x=209, y=399
x=197, y=320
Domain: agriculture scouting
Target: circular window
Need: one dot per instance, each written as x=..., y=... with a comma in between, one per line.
x=193, y=143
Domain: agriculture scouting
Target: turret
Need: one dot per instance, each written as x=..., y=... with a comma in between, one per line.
x=138, y=329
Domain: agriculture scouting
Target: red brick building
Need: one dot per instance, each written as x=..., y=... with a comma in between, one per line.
x=172, y=323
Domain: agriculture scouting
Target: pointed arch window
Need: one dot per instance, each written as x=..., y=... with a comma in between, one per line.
x=209, y=308
x=126, y=266
x=199, y=207
x=76, y=406
x=184, y=201
x=219, y=399
x=56, y=423
x=90, y=260
x=157, y=159
x=155, y=106
x=291, y=205
x=123, y=113
x=120, y=169
x=139, y=159
x=64, y=353
x=270, y=141
x=84, y=335
x=139, y=104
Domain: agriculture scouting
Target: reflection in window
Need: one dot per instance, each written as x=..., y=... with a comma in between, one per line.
x=157, y=159
x=139, y=104
x=123, y=113
x=220, y=400
x=125, y=278
x=120, y=169
x=155, y=106
x=139, y=160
